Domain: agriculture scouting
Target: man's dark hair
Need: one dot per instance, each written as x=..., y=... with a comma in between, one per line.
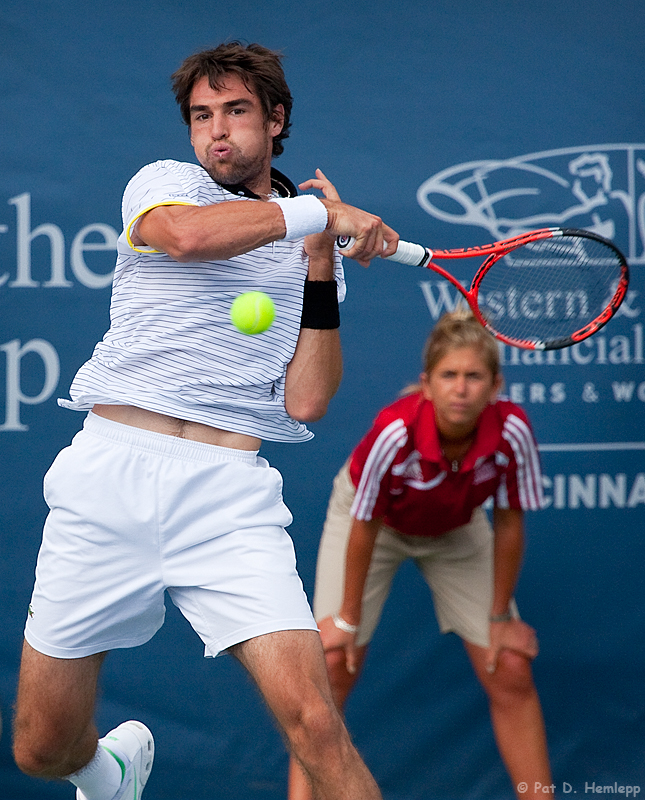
x=258, y=67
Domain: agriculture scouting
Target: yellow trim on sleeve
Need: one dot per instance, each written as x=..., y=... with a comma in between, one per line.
x=145, y=211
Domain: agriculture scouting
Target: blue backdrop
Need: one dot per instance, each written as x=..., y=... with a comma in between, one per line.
x=457, y=122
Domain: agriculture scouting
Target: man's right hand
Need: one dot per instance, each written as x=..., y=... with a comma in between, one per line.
x=373, y=237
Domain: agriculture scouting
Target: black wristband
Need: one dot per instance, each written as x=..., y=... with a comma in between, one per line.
x=320, y=306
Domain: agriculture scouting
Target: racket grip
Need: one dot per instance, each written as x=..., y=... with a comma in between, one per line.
x=415, y=255
x=409, y=253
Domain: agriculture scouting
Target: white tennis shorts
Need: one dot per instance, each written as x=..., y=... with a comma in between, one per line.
x=458, y=568
x=135, y=513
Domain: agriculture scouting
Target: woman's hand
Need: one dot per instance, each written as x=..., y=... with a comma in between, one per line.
x=512, y=635
x=334, y=638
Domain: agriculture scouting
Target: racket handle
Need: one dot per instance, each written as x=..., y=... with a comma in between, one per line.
x=415, y=255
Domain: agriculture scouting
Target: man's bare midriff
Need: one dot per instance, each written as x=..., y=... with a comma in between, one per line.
x=172, y=426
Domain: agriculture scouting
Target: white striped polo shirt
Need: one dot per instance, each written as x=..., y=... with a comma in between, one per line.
x=171, y=347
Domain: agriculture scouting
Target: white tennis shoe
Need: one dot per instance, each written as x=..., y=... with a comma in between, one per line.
x=132, y=745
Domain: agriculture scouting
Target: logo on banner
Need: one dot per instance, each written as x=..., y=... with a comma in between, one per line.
x=600, y=188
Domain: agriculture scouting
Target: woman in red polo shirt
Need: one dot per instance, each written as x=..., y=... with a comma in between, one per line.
x=413, y=488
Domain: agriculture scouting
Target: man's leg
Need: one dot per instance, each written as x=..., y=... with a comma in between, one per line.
x=289, y=670
x=54, y=731
x=342, y=683
x=516, y=715
x=55, y=735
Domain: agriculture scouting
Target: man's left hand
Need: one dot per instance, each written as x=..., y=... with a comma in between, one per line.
x=320, y=245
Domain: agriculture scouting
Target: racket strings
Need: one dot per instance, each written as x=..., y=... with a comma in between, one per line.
x=547, y=290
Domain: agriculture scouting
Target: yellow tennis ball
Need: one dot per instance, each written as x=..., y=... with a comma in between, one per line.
x=252, y=312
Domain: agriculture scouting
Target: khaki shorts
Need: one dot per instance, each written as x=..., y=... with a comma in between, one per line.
x=458, y=568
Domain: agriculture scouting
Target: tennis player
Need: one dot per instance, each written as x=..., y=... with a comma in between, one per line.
x=413, y=489
x=163, y=489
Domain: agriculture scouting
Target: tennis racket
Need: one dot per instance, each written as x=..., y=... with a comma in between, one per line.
x=543, y=290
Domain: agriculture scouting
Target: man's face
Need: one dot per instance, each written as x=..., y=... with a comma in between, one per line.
x=231, y=138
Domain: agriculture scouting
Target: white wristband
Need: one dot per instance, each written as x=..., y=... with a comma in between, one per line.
x=340, y=623
x=302, y=215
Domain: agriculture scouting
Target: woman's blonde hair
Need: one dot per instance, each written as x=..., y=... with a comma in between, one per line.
x=453, y=330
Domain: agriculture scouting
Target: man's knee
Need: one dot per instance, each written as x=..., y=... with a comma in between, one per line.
x=50, y=759
x=53, y=730
x=314, y=723
x=51, y=747
x=35, y=755
x=33, y=765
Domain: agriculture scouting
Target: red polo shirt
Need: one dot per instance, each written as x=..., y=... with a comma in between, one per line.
x=401, y=474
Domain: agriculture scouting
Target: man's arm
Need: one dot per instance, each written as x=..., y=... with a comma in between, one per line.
x=314, y=373
x=210, y=233
x=224, y=230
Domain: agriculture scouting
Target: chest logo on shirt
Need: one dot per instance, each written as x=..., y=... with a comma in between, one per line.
x=484, y=472
x=412, y=474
